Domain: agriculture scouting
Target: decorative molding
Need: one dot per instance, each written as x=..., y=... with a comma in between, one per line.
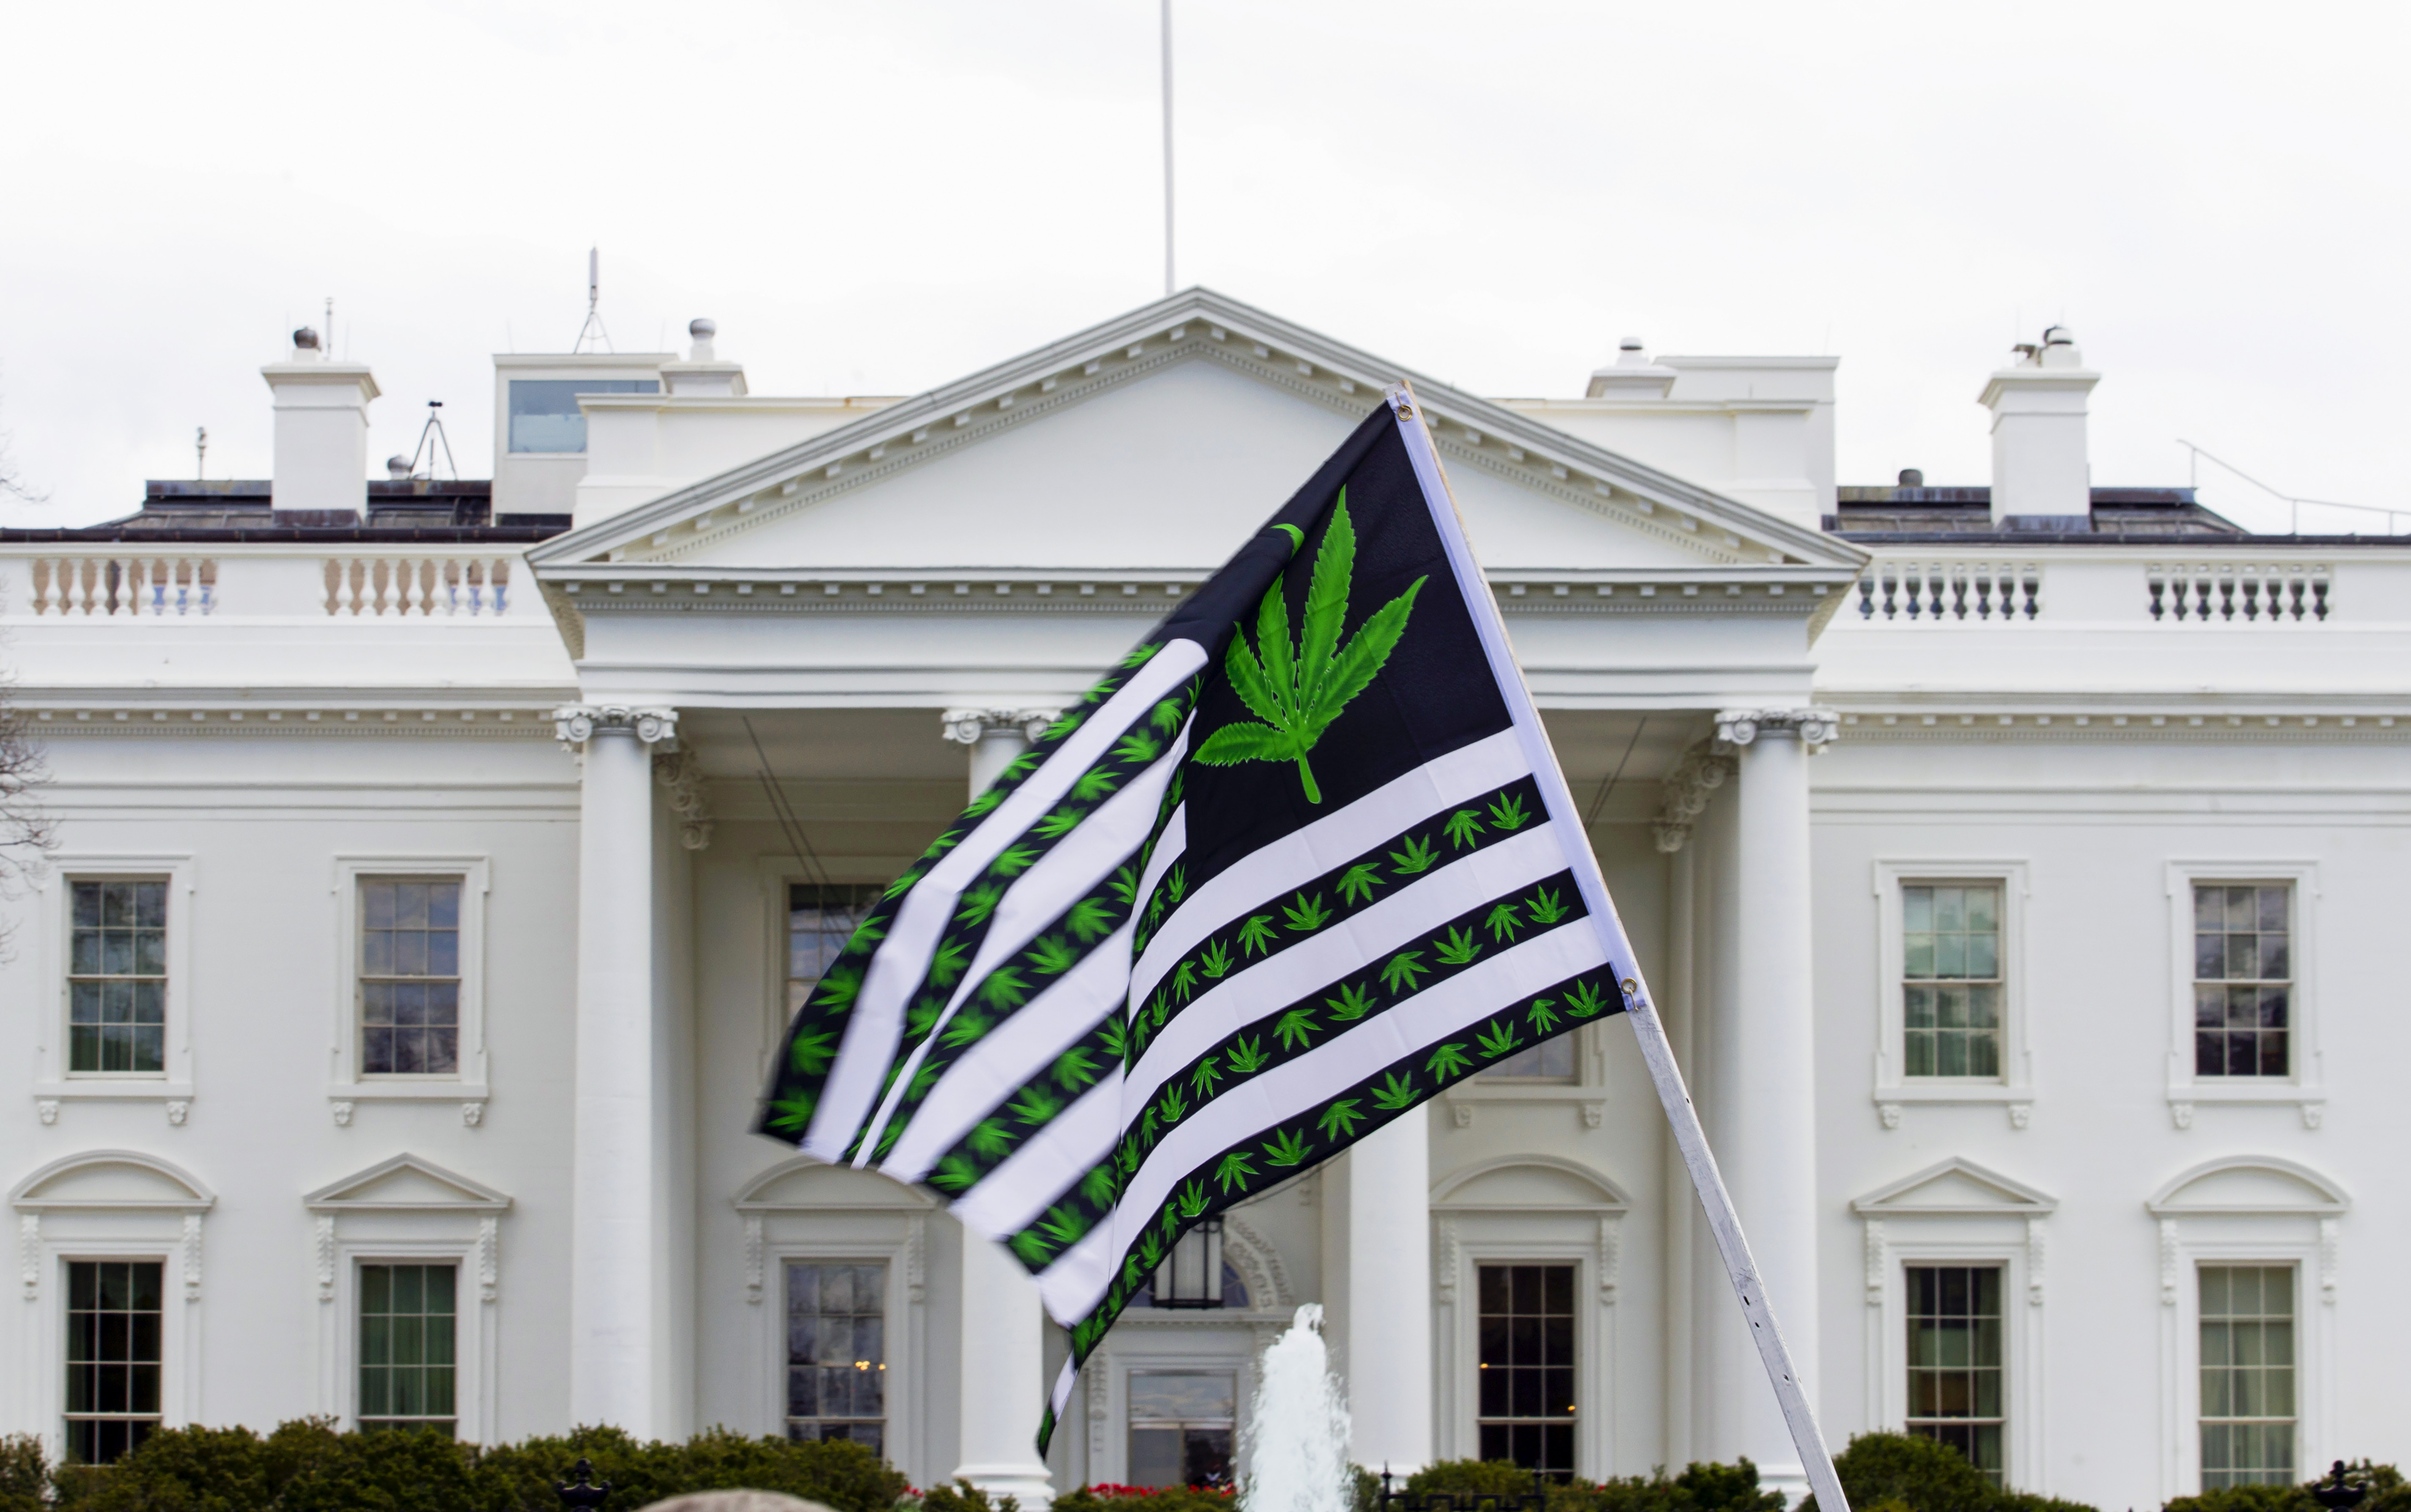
x=916, y=1259
x=1699, y=774
x=1888, y=1113
x=1814, y=727
x=2169, y=1268
x=2331, y=1231
x=2021, y=1115
x=1873, y=1244
x=29, y=1253
x=1259, y=1264
x=341, y=1110
x=1445, y=1237
x=2181, y=1112
x=2215, y=727
x=450, y=722
x=574, y=724
x=179, y=1109
x=680, y=774
x=324, y=1253
x=473, y=1115
x=489, y=1257
x=753, y=1259
x=1462, y=1112
x=47, y=1109
x=1611, y=1256
x=2034, y=1261
x=190, y=1253
x=970, y=726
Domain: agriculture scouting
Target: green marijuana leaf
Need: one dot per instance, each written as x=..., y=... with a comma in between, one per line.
x=1233, y=1170
x=1447, y=1061
x=1175, y=883
x=792, y=1114
x=1035, y=1105
x=1297, y=690
x=1248, y=1057
x=1138, y=747
x=1394, y=1092
x=1584, y=1000
x=1543, y=1016
x=1075, y=1069
x=1545, y=907
x=1357, y=882
x=1060, y=822
x=923, y=1017
x=1100, y=1186
x=1404, y=967
x=1140, y=655
x=813, y=1054
x=1256, y=934
x=1458, y=948
x=985, y=802
x=978, y=904
x=962, y=1029
x=1089, y=920
x=1113, y=1036
x=1184, y=980
x=1508, y=813
x=1503, y=921
x=1307, y=915
x=954, y=1173
x=1004, y=988
x=1462, y=827
x=1339, y=1120
x=1176, y=1107
x=1418, y=856
x=1032, y=1248
x=1296, y=1028
x=838, y=988
x=1203, y=1079
x=1095, y=783
x=1013, y=862
x=1064, y=724
x=1191, y=1200
x=1167, y=716
x=989, y=1140
x=1051, y=955
x=1498, y=1039
x=1214, y=960
x=1125, y=886
x=1354, y=1002
x=1019, y=767
x=923, y=1079
x=902, y=884
x=946, y=965
x=1064, y=1224
x=1285, y=1148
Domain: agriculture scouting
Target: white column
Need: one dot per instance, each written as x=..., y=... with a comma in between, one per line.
x=1390, y=1297
x=613, y=1284
x=1766, y=1064
x=1003, y=1379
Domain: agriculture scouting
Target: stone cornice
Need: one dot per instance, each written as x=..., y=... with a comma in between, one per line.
x=2216, y=727
x=60, y=719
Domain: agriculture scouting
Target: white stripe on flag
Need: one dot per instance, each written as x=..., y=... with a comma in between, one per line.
x=876, y=1024
x=1303, y=854
x=1058, y=880
x=1293, y=1087
x=1251, y=996
x=993, y=1066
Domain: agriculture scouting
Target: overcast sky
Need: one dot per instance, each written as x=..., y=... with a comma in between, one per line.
x=877, y=198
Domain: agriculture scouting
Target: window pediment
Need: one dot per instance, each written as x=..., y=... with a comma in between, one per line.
x=2249, y=1185
x=406, y=1184
x=1955, y=1188
x=121, y=1180
x=1530, y=1184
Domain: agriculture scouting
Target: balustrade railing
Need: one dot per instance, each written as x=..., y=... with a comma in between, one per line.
x=423, y=586
x=1942, y=592
x=2204, y=592
x=126, y=585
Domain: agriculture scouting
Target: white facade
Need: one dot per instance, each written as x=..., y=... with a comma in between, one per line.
x=1783, y=760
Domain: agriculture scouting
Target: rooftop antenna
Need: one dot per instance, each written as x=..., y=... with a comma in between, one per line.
x=593, y=326
x=431, y=436
x=1168, y=284
x=201, y=452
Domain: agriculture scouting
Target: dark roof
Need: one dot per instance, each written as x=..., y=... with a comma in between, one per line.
x=239, y=509
x=1965, y=516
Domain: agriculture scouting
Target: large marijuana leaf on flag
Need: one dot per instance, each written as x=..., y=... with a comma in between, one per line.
x=1299, y=690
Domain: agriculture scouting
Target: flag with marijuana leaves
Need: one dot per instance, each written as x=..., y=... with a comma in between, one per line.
x=1302, y=861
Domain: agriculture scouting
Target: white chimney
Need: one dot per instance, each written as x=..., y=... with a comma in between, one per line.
x=2039, y=467
x=1631, y=376
x=322, y=429
x=703, y=374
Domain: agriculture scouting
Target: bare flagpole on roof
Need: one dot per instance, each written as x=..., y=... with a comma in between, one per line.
x=1168, y=284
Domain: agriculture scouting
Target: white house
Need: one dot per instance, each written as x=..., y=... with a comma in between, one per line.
x=439, y=861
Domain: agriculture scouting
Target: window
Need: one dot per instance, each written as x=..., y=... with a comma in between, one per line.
x=1955, y=1363
x=2247, y=1372
x=1526, y=1366
x=1551, y=1060
x=545, y=416
x=820, y=920
x=113, y=1337
x=837, y=1353
x=408, y=1346
x=1951, y=979
x=410, y=977
x=1182, y=1279
x=1180, y=1424
x=2242, y=978
x=117, y=976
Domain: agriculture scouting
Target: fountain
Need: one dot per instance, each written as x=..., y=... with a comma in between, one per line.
x=1299, y=1427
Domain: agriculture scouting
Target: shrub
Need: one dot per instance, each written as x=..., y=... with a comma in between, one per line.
x=24, y=1474
x=1111, y=1498
x=1700, y=1488
x=2387, y=1493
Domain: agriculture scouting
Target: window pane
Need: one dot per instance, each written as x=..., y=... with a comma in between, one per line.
x=408, y=1346
x=2247, y=1376
x=2243, y=941
x=543, y=413
x=117, y=989
x=1955, y=1360
x=837, y=1352
x=1524, y=1368
x=112, y=1357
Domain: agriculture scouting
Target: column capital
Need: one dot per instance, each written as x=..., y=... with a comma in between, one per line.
x=1701, y=771
x=1814, y=727
x=574, y=724
x=970, y=726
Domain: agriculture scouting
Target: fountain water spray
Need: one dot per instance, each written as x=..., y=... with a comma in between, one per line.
x=1299, y=1428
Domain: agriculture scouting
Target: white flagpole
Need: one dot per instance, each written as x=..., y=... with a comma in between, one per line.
x=1168, y=284
x=1689, y=1138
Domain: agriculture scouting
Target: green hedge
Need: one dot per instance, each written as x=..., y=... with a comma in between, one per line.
x=306, y=1466
x=2387, y=1493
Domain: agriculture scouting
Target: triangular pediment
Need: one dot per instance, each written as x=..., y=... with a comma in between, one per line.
x=1152, y=447
x=1955, y=1188
x=406, y=1184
